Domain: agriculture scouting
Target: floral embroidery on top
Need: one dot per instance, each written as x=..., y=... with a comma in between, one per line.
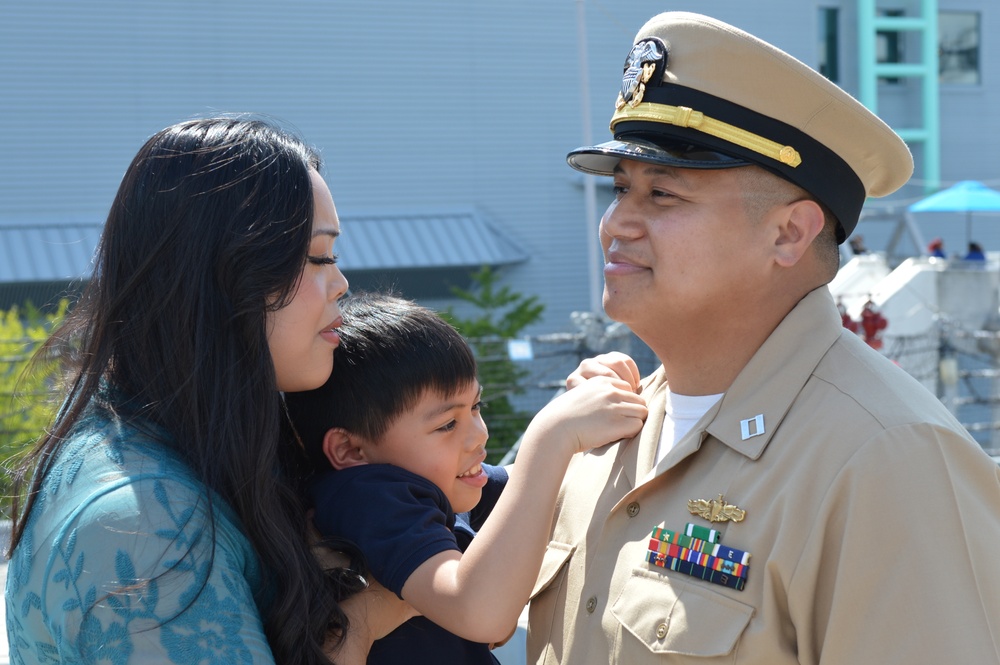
x=118, y=562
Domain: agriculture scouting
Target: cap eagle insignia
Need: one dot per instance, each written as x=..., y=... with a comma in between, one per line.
x=640, y=65
x=716, y=510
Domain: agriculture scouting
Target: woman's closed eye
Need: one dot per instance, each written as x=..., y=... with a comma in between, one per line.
x=324, y=260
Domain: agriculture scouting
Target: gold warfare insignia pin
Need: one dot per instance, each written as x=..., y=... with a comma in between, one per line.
x=716, y=510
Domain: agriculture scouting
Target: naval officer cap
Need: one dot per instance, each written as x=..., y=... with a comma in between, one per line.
x=699, y=93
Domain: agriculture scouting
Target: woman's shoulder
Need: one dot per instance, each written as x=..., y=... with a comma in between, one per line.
x=118, y=486
x=107, y=459
x=122, y=530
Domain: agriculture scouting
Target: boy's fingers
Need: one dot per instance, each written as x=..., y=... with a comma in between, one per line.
x=589, y=369
x=613, y=365
x=623, y=365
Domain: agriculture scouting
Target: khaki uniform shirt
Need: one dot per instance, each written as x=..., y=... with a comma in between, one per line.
x=872, y=520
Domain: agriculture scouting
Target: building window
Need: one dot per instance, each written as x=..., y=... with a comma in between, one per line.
x=829, y=39
x=958, y=50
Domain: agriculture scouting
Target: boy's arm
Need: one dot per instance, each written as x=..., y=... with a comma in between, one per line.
x=500, y=566
x=613, y=364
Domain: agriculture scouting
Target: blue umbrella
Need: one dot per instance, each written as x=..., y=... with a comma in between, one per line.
x=967, y=196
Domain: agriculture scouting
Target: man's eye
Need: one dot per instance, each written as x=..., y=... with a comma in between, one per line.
x=449, y=426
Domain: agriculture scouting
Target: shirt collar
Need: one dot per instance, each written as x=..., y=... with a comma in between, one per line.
x=753, y=407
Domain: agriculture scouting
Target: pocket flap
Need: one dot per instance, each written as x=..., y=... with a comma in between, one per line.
x=556, y=555
x=671, y=615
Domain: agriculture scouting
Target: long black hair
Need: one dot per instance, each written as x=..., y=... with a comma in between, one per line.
x=208, y=232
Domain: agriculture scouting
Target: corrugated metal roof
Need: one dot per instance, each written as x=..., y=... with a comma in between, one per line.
x=434, y=240
x=63, y=252
x=48, y=252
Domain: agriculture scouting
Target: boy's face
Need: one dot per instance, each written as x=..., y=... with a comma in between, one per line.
x=442, y=439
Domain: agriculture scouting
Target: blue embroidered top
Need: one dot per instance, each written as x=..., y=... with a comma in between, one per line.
x=118, y=562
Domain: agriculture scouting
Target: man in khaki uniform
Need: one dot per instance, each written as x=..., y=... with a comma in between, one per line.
x=793, y=497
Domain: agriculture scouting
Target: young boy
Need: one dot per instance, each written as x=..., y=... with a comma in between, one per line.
x=399, y=439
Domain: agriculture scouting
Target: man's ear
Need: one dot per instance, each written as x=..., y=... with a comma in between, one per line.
x=343, y=449
x=799, y=224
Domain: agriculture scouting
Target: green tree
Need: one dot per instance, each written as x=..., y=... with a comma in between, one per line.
x=501, y=315
x=27, y=399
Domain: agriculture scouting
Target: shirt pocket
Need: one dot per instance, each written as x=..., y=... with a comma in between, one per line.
x=556, y=556
x=548, y=600
x=668, y=615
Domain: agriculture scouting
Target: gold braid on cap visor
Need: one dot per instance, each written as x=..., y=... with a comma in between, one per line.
x=684, y=116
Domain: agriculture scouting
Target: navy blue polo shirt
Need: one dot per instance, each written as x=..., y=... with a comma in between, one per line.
x=398, y=520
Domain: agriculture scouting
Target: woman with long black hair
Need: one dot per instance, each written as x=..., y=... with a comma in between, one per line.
x=162, y=518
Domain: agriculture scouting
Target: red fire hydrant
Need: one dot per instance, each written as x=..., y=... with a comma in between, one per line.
x=846, y=319
x=873, y=323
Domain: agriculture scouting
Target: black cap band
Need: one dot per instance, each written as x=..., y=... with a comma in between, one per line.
x=821, y=172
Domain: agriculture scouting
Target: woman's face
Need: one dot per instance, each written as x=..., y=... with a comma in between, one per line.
x=303, y=334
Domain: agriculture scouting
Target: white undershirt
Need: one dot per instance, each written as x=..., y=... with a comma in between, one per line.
x=683, y=411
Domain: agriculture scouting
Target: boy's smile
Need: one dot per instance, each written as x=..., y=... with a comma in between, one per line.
x=442, y=438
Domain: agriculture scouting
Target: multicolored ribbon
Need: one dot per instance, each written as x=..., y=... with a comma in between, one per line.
x=698, y=552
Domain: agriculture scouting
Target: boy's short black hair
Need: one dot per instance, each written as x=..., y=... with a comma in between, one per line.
x=391, y=352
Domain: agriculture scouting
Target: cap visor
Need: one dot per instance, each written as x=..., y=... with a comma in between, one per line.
x=601, y=159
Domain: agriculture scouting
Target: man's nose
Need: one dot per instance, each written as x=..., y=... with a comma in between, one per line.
x=620, y=220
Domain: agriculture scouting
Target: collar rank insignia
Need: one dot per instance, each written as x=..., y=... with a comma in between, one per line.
x=716, y=510
x=640, y=65
x=746, y=432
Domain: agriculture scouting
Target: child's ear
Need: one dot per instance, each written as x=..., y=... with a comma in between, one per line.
x=343, y=449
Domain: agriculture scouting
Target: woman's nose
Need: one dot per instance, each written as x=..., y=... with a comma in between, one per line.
x=338, y=285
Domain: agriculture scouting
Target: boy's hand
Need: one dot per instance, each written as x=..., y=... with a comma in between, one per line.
x=614, y=365
x=597, y=411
